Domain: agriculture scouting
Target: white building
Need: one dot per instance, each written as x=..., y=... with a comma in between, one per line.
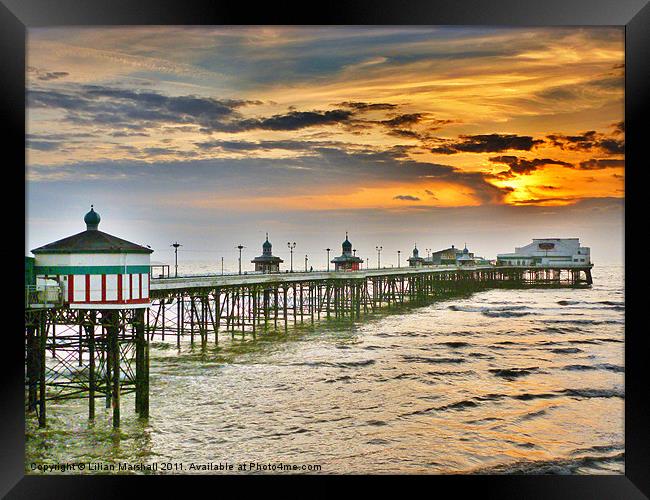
x=548, y=252
x=96, y=270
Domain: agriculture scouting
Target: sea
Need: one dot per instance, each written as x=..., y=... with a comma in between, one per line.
x=497, y=382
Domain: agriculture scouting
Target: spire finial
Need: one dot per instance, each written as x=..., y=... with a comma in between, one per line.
x=267, y=236
x=346, y=235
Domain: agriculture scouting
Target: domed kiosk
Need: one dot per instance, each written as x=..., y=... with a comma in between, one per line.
x=415, y=260
x=346, y=261
x=96, y=270
x=267, y=262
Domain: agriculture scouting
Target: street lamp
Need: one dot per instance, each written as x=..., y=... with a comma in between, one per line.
x=398, y=258
x=328, y=250
x=291, y=247
x=176, y=245
x=305, y=262
x=379, y=249
x=240, y=247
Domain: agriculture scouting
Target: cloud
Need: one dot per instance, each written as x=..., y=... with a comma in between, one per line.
x=588, y=141
x=324, y=167
x=619, y=127
x=46, y=75
x=100, y=105
x=365, y=106
x=521, y=166
x=43, y=145
x=488, y=143
x=406, y=197
x=405, y=120
x=599, y=164
x=293, y=120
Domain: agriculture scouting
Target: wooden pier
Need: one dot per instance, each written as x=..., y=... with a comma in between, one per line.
x=73, y=353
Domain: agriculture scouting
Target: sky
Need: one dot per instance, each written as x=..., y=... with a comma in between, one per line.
x=213, y=136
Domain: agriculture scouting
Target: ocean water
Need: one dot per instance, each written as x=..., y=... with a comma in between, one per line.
x=500, y=381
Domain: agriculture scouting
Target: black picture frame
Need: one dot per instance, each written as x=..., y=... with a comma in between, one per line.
x=16, y=16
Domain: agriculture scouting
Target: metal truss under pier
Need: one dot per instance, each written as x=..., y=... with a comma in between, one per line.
x=104, y=354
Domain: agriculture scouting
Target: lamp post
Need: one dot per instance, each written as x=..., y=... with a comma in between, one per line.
x=398, y=258
x=379, y=249
x=221, y=266
x=305, y=262
x=291, y=247
x=176, y=244
x=240, y=247
x=328, y=250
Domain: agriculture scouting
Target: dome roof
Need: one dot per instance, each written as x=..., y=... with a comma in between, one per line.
x=267, y=244
x=347, y=246
x=465, y=251
x=92, y=219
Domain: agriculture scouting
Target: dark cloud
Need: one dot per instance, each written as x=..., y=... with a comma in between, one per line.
x=599, y=164
x=323, y=166
x=408, y=134
x=537, y=201
x=619, y=127
x=521, y=166
x=406, y=197
x=365, y=106
x=294, y=120
x=588, y=141
x=488, y=143
x=46, y=75
x=138, y=110
x=405, y=120
x=43, y=145
x=120, y=133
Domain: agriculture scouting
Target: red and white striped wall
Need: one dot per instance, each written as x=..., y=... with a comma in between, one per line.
x=93, y=290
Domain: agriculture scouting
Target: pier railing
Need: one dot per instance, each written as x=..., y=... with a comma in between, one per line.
x=43, y=296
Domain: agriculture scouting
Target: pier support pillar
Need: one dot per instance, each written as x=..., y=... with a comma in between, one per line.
x=42, y=342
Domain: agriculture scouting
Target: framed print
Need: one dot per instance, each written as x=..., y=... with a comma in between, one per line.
x=376, y=241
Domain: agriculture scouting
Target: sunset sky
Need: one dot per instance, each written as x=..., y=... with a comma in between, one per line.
x=435, y=135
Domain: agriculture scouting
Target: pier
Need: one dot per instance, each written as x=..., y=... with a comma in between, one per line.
x=92, y=306
x=104, y=354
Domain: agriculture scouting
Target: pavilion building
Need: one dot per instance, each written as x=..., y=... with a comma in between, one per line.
x=347, y=261
x=96, y=270
x=267, y=262
x=415, y=260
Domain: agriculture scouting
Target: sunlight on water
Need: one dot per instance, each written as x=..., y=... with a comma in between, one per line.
x=502, y=381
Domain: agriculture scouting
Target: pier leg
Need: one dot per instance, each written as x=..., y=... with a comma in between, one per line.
x=90, y=333
x=32, y=366
x=42, y=331
x=142, y=367
x=114, y=362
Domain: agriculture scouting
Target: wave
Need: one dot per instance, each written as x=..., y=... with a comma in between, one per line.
x=342, y=364
x=602, y=366
x=568, y=302
x=513, y=373
x=506, y=314
x=422, y=359
x=560, y=467
x=566, y=350
x=455, y=344
x=587, y=321
x=595, y=393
